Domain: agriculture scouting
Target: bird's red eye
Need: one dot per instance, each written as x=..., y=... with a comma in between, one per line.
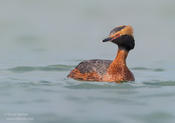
x=116, y=36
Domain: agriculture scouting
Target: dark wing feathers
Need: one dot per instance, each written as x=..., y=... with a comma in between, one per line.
x=96, y=65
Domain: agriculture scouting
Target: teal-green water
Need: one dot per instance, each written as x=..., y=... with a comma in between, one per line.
x=42, y=41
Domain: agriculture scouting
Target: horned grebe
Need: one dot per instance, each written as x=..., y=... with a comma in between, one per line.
x=107, y=70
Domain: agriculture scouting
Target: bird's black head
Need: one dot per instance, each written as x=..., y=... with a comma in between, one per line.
x=123, y=37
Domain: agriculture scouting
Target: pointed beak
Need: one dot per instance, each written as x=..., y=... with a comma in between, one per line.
x=111, y=38
x=107, y=39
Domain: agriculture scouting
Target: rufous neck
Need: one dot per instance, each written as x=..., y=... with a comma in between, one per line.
x=121, y=57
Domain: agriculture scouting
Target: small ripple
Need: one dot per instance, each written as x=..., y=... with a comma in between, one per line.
x=160, y=83
x=148, y=69
x=27, y=83
x=156, y=117
x=22, y=69
x=97, y=85
x=38, y=83
x=105, y=85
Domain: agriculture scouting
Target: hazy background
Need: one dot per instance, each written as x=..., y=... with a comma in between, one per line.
x=42, y=40
x=51, y=31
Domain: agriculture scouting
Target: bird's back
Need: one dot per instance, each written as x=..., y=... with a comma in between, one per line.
x=90, y=70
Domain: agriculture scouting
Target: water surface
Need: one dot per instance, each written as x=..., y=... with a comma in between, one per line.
x=42, y=41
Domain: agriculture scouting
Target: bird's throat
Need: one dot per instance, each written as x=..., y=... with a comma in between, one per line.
x=121, y=57
x=119, y=63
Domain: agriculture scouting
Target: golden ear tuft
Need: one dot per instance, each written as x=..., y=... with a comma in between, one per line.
x=121, y=30
x=128, y=30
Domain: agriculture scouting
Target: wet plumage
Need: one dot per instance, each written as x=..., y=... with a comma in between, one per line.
x=92, y=69
x=107, y=70
x=95, y=65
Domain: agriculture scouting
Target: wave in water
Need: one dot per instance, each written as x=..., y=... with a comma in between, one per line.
x=73, y=84
x=159, y=83
x=148, y=69
x=21, y=69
